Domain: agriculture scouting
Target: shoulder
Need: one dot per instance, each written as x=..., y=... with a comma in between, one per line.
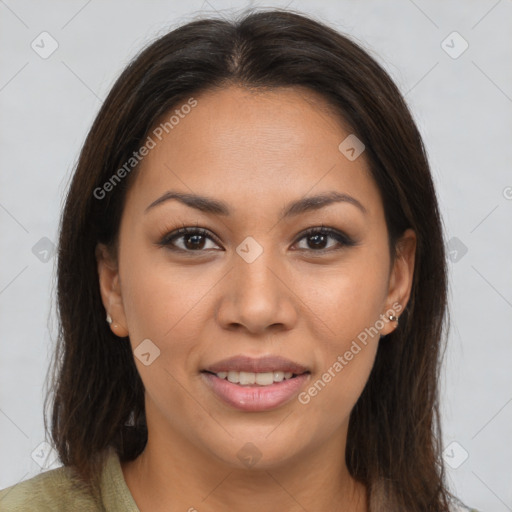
x=60, y=490
x=53, y=490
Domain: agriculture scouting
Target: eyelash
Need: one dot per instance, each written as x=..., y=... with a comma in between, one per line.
x=341, y=238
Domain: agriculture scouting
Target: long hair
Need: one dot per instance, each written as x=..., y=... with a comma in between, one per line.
x=394, y=436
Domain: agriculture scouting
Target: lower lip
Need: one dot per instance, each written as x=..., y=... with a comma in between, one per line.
x=255, y=398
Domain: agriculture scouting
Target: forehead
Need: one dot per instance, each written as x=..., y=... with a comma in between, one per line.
x=245, y=145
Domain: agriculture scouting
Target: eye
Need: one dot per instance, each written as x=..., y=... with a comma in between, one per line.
x=187, y=239
x=317, y=239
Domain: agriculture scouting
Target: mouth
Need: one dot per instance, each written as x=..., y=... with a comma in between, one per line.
x=249, y=384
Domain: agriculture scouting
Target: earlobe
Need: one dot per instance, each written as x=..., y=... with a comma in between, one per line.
x=110, y=290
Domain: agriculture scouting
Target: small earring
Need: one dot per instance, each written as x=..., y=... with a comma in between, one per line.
x=109, y=319
x=393, y=318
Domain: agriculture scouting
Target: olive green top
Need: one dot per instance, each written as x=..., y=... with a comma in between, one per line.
x=57, y=490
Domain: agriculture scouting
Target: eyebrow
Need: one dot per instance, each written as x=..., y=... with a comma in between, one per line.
x=216, y=207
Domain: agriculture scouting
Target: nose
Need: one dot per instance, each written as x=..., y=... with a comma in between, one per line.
x=257, y=297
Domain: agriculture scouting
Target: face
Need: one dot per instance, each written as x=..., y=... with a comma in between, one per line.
x=301, y=312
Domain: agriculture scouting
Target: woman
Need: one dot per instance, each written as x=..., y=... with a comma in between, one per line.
x=251, y=285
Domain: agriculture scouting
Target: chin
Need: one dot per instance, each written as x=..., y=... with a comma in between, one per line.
x=252, y=450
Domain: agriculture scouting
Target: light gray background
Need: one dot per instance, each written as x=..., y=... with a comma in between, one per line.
x=462, y=105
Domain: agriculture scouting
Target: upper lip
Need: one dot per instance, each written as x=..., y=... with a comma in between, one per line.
x=257, y=365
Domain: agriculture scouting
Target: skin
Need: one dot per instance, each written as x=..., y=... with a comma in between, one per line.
x=256, y=151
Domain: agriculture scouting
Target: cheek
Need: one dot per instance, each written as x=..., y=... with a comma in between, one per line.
x=344, y=310
x=159, y=299
x=345, y=302
x=163, y=306
x=329, y=399
x=170, y=306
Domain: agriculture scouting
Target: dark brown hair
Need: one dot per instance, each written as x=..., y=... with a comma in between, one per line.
x=393, y=444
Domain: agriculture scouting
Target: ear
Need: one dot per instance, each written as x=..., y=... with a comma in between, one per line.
x=110, y=290
x=400, y=280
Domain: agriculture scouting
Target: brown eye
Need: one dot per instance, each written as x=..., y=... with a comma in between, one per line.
x=317, y=239
x=187, y=239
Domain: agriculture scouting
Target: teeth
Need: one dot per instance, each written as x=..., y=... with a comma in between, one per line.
x=249, y=378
